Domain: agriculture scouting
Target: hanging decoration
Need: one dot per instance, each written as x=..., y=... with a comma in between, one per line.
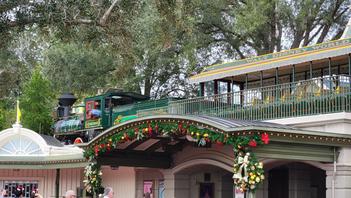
x=92, y=180
x=248, y=171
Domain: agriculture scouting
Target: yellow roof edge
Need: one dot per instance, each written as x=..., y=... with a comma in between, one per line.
x=211, y=72
x=318, y=44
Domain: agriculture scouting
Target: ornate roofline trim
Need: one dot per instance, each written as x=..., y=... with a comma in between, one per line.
x=284, y=58
x=51, y=165
x=233, y=127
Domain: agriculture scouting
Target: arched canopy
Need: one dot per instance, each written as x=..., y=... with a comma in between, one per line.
x=23, y=148
x=277, y=132
x=157, y=150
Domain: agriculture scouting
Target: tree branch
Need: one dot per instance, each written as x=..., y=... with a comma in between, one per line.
x=242, y=56
x=81, y=21
x=24, y=22
x=7, y=6
x=108, y=12
x=315, y=34
x=102, y=22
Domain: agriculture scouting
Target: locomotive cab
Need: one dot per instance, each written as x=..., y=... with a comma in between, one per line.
x=103, y=110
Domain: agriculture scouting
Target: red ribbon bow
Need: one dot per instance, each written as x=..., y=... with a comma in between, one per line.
x=265, y=138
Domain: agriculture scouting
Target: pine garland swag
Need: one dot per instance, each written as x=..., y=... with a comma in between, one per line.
x=248, y=172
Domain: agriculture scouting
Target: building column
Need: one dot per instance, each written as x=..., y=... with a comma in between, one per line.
x=338, y=183
x=139, y=183
x=215, y=87
x=262, y=190
x=176, y=186
x=169, y=183
x=342, y=182
x=57, y=183
x=121, y=179
x=202, y=89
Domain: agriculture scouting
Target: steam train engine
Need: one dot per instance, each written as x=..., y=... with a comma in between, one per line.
x=81, y=123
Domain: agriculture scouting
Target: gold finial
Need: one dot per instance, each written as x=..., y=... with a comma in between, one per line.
x=19, y=114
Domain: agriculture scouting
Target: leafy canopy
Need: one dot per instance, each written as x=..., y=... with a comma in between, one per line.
x=78, y=68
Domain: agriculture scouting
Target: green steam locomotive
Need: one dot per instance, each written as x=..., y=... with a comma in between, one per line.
x=97, y=113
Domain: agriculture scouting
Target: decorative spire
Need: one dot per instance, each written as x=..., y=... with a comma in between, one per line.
x=19, y=114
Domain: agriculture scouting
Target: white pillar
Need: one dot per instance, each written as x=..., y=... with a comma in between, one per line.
x=176, y=186
x=169, y=183
x=338, y=183
x=139, y=184
x=262, y=191
x=342, y=182
x=122, y=180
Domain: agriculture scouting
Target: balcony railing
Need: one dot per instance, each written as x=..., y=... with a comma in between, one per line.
x=310, y=97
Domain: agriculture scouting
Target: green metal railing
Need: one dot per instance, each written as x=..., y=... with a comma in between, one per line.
x=138, y=108
x=309, y=97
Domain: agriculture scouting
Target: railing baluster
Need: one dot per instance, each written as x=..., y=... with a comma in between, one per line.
x=309, y=97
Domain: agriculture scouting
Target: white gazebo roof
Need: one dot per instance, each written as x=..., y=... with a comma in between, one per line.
x=24, y=148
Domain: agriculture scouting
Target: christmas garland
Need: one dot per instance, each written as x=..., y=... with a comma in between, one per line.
x=93, y=178
x=248, y=171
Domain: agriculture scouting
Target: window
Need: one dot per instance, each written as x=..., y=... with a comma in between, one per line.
x=209, y=88
x=20, y=146
x=148, y=189
x=14, y=188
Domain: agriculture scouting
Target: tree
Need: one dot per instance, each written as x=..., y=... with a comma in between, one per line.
x=159, y=50
x=36, y=103
x=17, y=14
x=12, y=72
x=78, y=68
x=243, y=28
x=171, y=39
x=7, y=114
x=157, y=44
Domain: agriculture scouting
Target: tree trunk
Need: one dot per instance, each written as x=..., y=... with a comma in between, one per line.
x=273, y=29
x=147, y=87
x=279, y=38
x=323, y=34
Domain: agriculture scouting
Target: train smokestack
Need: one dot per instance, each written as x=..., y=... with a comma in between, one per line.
x=66, y=100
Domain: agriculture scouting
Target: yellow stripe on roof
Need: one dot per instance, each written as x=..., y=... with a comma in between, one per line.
x=265, y=62
x=281, y=52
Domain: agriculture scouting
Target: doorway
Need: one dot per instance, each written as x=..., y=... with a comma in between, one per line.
x=296, y=180
x=206, y=190
x=278, y=183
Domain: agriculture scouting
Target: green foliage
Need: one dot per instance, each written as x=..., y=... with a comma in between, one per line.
x=93, y=178
x=12, y=73
x=78, y=68
x=238, y=29
x=7, y=114
x=36, y=103
x=153, y=46
x=158, y=47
